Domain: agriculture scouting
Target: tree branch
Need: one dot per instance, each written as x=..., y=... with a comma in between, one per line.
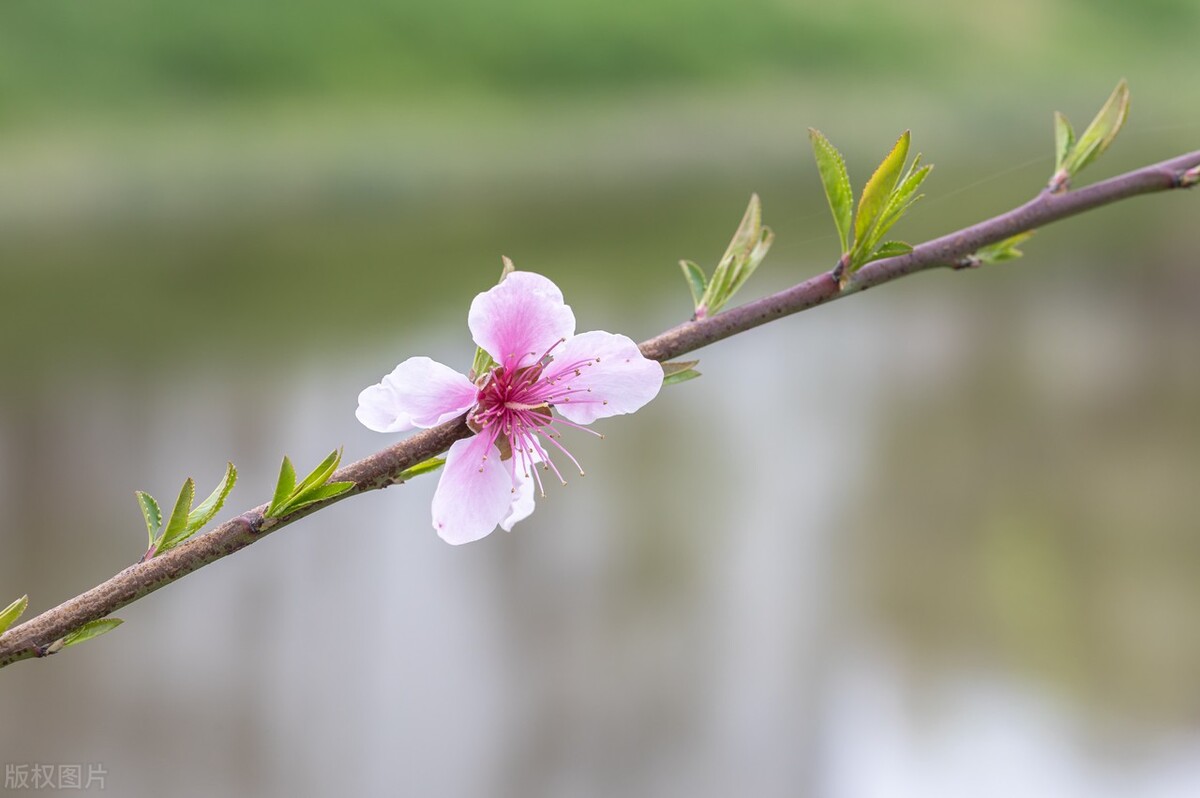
x=34, y=637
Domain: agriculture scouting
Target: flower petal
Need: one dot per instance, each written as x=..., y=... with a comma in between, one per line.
x=379, y=410
x=430, y=392
x=607, y=375
x=519, y=319
x=475, y=492
x=419, y=392
x=522, y=499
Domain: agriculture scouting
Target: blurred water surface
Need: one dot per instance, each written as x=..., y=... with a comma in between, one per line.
x=939, y=539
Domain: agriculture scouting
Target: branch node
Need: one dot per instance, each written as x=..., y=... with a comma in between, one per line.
x=840, y=269
x=253, y=522
x=1060, y=182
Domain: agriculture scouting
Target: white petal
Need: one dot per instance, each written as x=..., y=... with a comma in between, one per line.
x=379, y=410
x=430, y=393
x=475, y=492
x=520, y=319
x=613, y=377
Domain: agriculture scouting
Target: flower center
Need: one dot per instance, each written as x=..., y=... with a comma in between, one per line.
x=513, y=408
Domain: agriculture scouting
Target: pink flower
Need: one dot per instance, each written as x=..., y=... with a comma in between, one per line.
x=546, y=378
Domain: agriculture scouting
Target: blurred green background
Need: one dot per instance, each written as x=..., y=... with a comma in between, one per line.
x=940, y=539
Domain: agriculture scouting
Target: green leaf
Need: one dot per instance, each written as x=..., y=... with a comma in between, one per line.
x=12, y=612
x=696, y=281
x=176, y=529
x=1064, y=139
x=681, y=376
x=312, y=489
x=743, y=255
x=747, y=265
x=284, y=487
x=1101, y=132
x=748, y=232
x=678, y=366
x=890, y=249
x=151, y=513
x=432, y=464
x=91, y=629
x=1002, y=250
x=832, y=168
x=901, y=199
x=481, y=364
x=878, y=190
x=212, y=505
x=321, y=474
x=316, y=494
x=745, y=239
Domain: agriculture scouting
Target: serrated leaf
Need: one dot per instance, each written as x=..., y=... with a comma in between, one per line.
x=878, y=190
x=677, y=366
x=743, y=255
x=836, y=181
x=91, y=629
x=890, y=249
x=681, y=376
x=901, y=199
x=316, y=494
x=747, y=265
x=745, y=238
x=1101, y=132
x=1064, y=139
x=748, y=231
x=151, y=513
x=10, y=614
x=424, y=467
x=696, y=281
x=212, y=505
x=176, y=529
x=321, y=474
x=285, y=486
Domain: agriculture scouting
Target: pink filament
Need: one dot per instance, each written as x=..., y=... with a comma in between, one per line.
x=516, y=403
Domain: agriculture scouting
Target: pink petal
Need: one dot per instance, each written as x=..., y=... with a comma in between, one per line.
x=379, y=410
x=519, y=319
x=475, y=492
x=613, y=376
x=522, y=499
x=419, y=390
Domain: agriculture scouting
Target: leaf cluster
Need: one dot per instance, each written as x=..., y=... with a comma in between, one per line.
x=291, y=496
x=885, y=198
x=184, y=521
x=1072, y=154
x=745, y=252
